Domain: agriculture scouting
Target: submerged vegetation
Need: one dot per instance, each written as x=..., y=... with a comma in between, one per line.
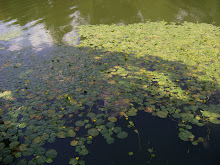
x=81, y=92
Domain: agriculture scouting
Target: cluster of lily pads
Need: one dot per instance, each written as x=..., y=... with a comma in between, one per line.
x=81, y=92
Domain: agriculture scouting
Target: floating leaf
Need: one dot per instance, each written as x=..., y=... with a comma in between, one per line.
x=23, y=147
x=110, y=140
x=45, y=136
x=14, y=144
x=71, y=133
x=73, y=161
x=74, y=143
x=185, y=135
x=41, y=159
x=93, y=132
x=130, y=153
x=2, y=145
x=117, y=129
x=214, y=120
x=37, y=139
x=51, y=153
x=112, y=119
x=61, y=134
x=84, y=152
x=32, y=162
x=79, y=123
x=22, y=162
x=8, y=159
x=122, y=135
x=161, y=114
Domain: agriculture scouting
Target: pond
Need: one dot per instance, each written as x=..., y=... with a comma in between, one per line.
x=109, y=82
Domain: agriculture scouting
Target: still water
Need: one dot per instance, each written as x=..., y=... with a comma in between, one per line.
x=40, y=24
x=53, y=20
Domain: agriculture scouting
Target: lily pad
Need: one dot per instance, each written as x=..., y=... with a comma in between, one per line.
x=14, y=144
x=112, y=119
x=22, y=162
x=214, y=120
x=49, y=160
x=61, y=134
x=122, y=135
x=51, y=153
x=8, y=159
x=161, y=114
x=71, y=133
x=74, y=143
x=110, y=140
x=84, y=152
x=41, y=159
x=23, y=147
x=79, y=123
x=93, y=132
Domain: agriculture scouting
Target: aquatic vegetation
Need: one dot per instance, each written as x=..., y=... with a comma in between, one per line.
x=10, y=35
x=85, y=91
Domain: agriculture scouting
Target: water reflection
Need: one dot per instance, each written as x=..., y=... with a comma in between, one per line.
x=57, y=18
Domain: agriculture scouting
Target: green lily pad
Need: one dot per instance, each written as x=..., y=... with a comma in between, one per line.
x=2, y=145
x=110, y=140
x=18, y=154
x=73, y=161
x=122, y=135
x=23, y=147
x=117, y=129
x=22, y=162
x=49, y=160
x=37, y=139
x=210, y=114
x=41, y=159
x=161, y=114
x=74, y=143
x=3, y=127
x=8, y=159
x=93, y=132
x=32, y=162
x=112, y=119
x=22, y=125
x=79, y=123
x=13, y=144
x=45, y=136
x=214, y=120
x=186, y=135
x=71, y=133
x=51, y=153
x=84, y=152
x=61, y=134
x=110, y=124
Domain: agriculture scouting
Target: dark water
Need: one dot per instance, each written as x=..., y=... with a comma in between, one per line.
x=44, y=23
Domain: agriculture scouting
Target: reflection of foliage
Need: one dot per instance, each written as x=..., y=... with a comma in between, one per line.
x=117, y=70
x=10, y=35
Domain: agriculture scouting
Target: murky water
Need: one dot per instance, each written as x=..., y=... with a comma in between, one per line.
x=40, y=27
x=53, y=21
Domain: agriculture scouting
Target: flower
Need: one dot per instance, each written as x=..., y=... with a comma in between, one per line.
x=77, y=158
x=90, y=137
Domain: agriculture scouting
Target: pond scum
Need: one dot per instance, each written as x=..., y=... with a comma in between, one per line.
x=81, y=92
